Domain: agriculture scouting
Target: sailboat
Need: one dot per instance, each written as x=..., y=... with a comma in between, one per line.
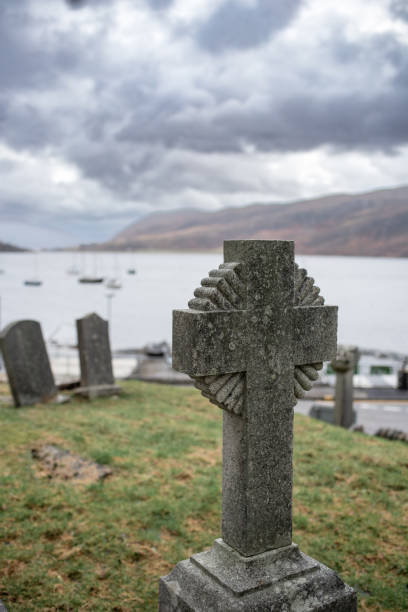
x=132, y=270
x=74, y=269
x=114, y=282
x=92, y=279
x=34, y=281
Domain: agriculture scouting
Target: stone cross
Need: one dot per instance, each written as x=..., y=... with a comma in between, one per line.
x=262, y=339
x=253, y=340
x=28, y=367
x=95, y=357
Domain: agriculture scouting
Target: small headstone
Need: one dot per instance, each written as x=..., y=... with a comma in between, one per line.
x=253, y=341
x=2, y=607
x=322, y=412
x=28, y=367
x=95, y=358
x=344, y=365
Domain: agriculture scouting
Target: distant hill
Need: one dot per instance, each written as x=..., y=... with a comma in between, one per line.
x=371, y=224
x=5, y=247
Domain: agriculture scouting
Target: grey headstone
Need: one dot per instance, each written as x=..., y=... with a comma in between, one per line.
x=27, y=364
x=95, y=357
x=403, y=376
x=2, y=607
x=253, y=340
x=344, y=364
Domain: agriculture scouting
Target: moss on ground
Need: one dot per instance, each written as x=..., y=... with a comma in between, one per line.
x=67, y=546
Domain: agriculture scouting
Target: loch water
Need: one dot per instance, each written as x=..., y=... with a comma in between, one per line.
x=372, y=294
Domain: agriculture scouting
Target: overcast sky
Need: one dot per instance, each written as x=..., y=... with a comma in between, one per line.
x=112, y=109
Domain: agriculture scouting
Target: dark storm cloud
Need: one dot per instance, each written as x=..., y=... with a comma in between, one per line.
x=235, y=25
x=21, y=65
x=301, y=123
x=399, y=8
x=78, y=4
x=22, y=125
x=158, y=5
x=28, y=63
x=293, y=120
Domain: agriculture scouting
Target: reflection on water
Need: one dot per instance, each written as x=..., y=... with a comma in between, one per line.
x=372, y=294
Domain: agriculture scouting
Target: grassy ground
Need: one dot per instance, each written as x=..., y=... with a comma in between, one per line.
x=104, y=546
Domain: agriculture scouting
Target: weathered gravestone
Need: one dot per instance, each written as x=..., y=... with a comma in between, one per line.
x=95, y=357
x=403, y=376
x=342, y=413
x=27, y=364
x=253, y=340
x=344, y=365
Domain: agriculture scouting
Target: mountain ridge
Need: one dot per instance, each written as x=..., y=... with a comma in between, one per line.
x=5, y=247
x=374, y=223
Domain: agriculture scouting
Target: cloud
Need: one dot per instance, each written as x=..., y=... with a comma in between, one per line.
x=363, y=107
x=239, y=25
x=76, y=3
x=400, y=9
x=158, y=5
x=122, y=108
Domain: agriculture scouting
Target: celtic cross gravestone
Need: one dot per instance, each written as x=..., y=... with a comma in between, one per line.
x=253, y=340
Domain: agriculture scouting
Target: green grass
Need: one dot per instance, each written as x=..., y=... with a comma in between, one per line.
x=103, y=546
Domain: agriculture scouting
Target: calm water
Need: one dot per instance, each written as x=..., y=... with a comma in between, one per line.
x=372, y=294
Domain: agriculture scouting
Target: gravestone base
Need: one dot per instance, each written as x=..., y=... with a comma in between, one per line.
x=95, y=391
x=58, y=399
x=327, y=414
x=281, y=580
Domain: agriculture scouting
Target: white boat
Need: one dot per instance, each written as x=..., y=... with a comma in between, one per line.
x=34, y=281
x=132, y=269
x=113, y=283
x=73, y=270
x=91, y=279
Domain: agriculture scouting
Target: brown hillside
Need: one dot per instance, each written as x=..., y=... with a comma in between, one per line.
x=5, y=247
x=374, y=224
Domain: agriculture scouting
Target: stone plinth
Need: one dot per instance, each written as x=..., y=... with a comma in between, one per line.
x=284, y=579
x=98, y=391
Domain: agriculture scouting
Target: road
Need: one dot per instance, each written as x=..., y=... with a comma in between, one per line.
x=372, y=415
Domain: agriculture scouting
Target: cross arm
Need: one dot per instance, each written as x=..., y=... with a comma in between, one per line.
x=314, y=334
x=209, y=343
